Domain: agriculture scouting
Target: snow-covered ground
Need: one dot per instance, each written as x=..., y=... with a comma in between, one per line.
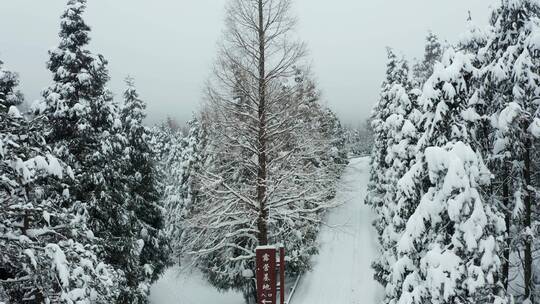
x=341, y=272
x=176, y=288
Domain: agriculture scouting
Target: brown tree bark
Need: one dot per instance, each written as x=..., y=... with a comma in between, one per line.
x=262, y=158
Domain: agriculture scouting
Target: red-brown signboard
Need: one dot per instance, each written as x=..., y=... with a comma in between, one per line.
x=266, y=275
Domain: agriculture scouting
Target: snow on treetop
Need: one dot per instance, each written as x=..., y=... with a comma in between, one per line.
x=14, y=112
x=508, y=115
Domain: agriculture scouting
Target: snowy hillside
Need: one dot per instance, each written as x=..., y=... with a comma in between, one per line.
x=341, y=273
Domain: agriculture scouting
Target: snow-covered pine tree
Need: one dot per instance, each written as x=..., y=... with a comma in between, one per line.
x=164, y=137
x=433, y=51
x=333, y=131
x=182, y=166
x=353, y=145
x=510, y=82
x=394, y=95
x=449, y=248
x=323, y=121
x=9, y=95
x=48, y=253
x=474, y=41
x=404, y=128
x=85, y=129
x=481, y=108
x=76, y=75
x=167, y=146
x=359, y=140
x=143, y=197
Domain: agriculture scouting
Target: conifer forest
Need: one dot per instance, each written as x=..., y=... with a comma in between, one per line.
x=427, y=192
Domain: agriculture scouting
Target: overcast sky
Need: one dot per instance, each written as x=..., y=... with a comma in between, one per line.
x=170, y=45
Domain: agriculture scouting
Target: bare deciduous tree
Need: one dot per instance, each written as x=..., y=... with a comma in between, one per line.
x=271, y=168
x=257, y=47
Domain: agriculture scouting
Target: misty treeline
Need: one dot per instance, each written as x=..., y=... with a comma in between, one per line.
x=94, y=205
x=456, y=166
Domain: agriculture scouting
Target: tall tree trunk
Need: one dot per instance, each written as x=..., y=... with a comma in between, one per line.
x=507, y=219
x=26, y=222
x=262, y=173
x=527, y=221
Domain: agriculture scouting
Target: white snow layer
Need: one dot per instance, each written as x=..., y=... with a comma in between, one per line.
x=341, y=272
x=189, y=288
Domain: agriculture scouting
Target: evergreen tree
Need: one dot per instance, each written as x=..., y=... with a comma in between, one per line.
x=359, y=141
x=183, y=165
x=394, y=95
x=85, y=128
x=404, y=130
x=433, y=52
x=510, y=83
x=474, y=42
x=48, y=253
x=143, y=196
x=8, y=84
x=79, y=77
x=449, y=248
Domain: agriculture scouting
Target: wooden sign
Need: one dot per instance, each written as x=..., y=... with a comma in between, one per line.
x=267, y=269
x=266, y=274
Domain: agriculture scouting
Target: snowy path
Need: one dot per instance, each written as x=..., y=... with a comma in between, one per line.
x=175, y=288
x=341, y=272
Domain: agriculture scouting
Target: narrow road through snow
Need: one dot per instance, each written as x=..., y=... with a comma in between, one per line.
x=342, y=271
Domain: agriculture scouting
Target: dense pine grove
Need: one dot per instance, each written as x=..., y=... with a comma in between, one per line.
x=81, y=214
x=454, y=168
